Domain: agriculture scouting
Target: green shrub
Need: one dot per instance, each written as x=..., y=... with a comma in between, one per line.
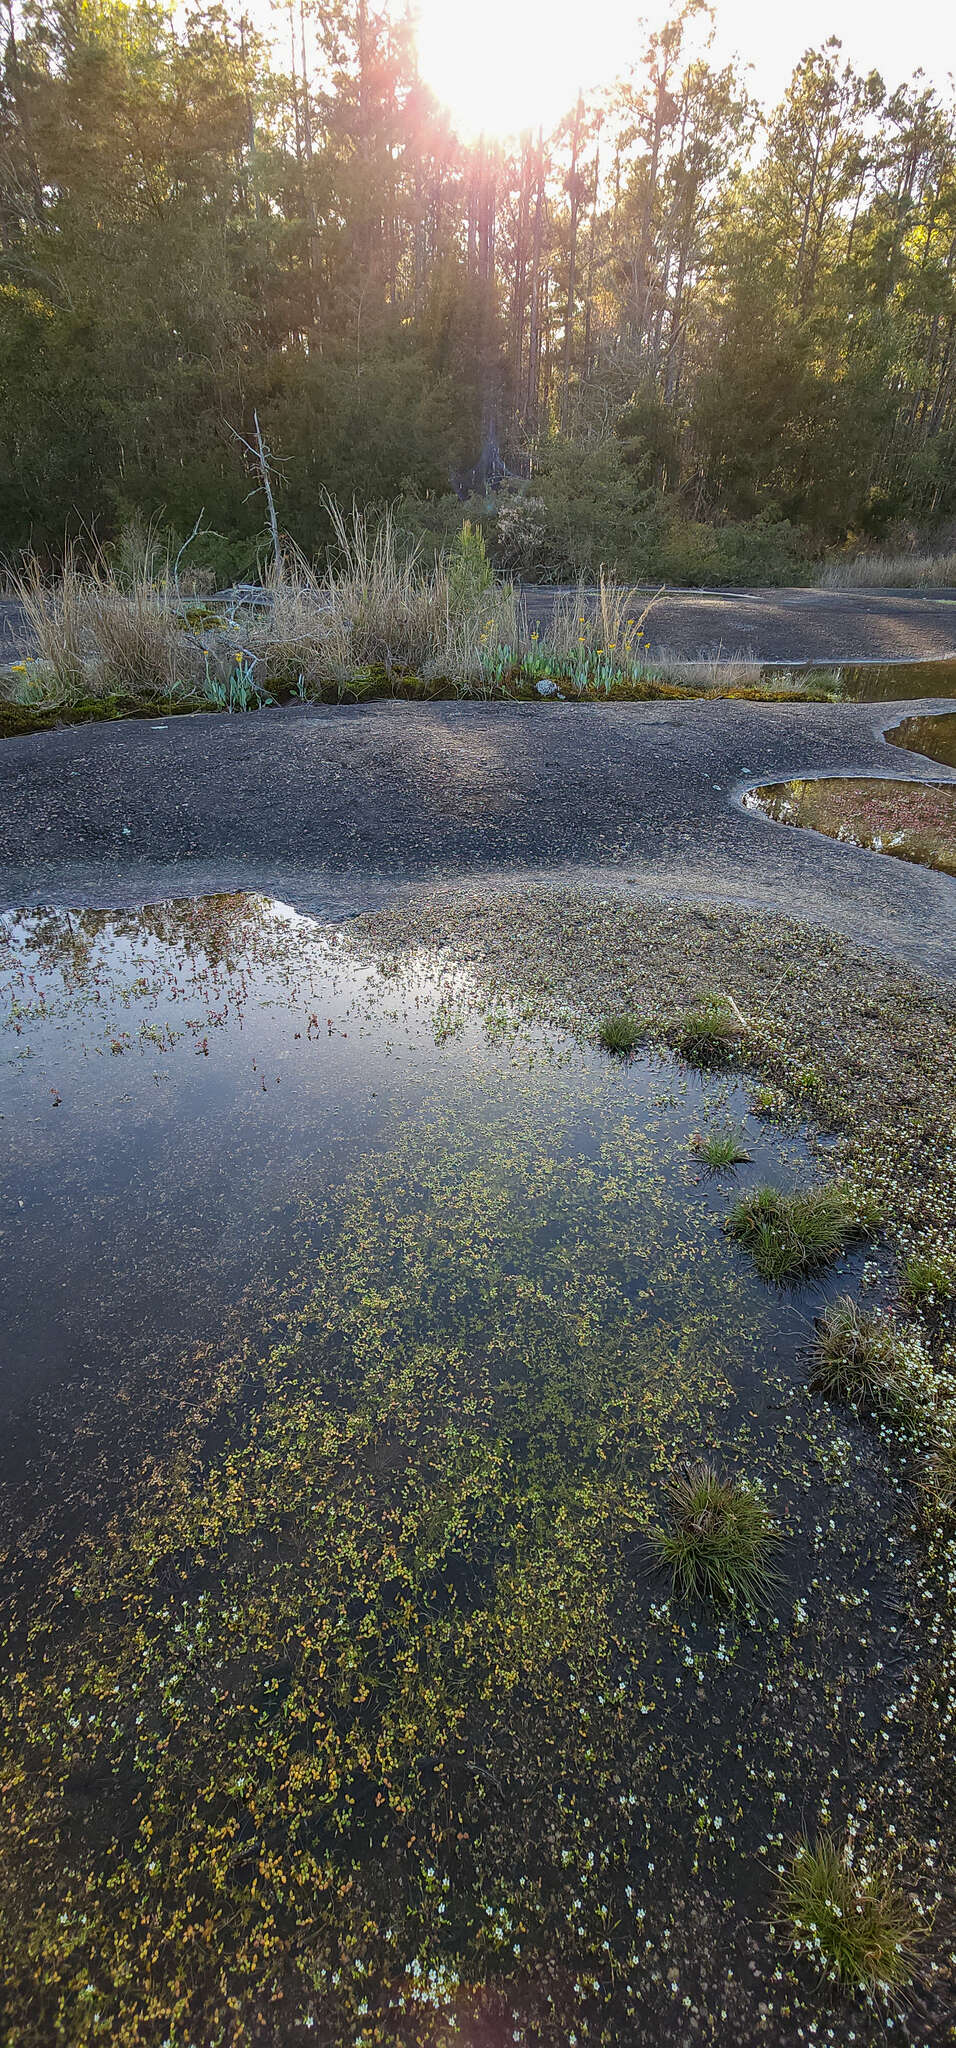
x=431, y=523
x=470, y=573
x=581, y=511
x=757, y=552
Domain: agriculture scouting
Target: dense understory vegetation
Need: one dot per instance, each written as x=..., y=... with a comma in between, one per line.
x=694, y=340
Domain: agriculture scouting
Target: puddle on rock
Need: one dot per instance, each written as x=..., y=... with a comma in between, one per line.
x=889, y=683
x=934, y=736
x=355, y=1333
x=916, y=821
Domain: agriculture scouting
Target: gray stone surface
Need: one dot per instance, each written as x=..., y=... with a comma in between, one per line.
x=793, y=625
x=338, y=809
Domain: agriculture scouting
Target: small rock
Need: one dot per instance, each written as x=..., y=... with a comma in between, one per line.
x=547, y=687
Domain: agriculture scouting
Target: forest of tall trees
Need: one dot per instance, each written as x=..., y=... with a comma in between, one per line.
x=681, y=333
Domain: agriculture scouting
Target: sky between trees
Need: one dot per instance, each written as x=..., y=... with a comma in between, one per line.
x=512, y=63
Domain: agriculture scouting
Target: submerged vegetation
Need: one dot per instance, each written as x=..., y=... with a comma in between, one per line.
x=911, y=820
x=719, y=1542
x=852, y=1925
x=367, y=1707
x=880, y=1044
x=934, y=736
x=362, y=1706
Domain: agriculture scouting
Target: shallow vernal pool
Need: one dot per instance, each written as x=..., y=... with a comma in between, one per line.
x=354, y=1333
x=914, y=821
x=934, y=735
x=891, y=682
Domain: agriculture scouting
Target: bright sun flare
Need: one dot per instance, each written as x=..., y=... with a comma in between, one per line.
x=505, y=65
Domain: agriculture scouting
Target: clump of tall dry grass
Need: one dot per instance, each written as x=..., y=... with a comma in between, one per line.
x=609, y=626
x=714, y=671
x=118, y=625
x=57, y=618
x=901, y=571
x=142, y=648
x=379, y=612
x=97, y=636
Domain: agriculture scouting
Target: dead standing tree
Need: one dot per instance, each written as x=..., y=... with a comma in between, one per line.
x=261, y=456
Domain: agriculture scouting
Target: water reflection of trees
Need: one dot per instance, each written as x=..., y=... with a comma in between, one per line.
x=221, y=932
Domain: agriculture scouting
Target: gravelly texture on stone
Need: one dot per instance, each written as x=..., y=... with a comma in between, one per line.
x=880, y=1038
x=793, y=625
x=339, y=810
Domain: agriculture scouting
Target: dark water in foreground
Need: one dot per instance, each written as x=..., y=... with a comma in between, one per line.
x=352, y=1336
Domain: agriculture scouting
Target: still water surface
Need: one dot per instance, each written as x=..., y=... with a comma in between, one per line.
x=353, y=1332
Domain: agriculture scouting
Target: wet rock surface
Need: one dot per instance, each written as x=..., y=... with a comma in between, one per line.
x=907, y=820
x=934, y=737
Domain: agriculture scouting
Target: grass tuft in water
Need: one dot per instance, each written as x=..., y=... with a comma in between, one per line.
x=718, y=1149
x=858, y=1930
x=926, y=1281
x=939, y=1477
x=787, y=1235
x=708, y=1034
x=720, y=1542
x=621, y=1033
x=869, y=1361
